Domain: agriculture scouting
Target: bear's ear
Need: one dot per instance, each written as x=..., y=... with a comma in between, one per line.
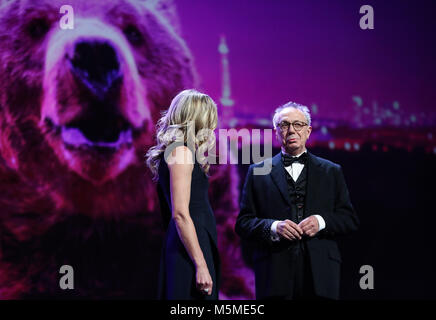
x=167, y=9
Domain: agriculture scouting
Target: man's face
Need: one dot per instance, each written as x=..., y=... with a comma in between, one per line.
x=293, y=141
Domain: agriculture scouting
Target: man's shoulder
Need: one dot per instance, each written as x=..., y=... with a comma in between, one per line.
x=262, y=163
x=268, y=162
x=325, y=162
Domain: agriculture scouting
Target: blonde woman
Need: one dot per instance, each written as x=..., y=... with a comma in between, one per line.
x=190, y=262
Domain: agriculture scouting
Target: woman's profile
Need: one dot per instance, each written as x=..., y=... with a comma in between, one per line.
x=189, y=267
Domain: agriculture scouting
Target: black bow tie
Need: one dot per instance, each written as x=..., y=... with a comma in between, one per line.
x=289, y=160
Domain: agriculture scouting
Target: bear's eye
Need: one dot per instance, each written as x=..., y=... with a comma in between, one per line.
x=133, y=35
x=37, y=28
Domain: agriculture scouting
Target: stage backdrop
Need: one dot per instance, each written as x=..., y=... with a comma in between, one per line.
x=82, y=84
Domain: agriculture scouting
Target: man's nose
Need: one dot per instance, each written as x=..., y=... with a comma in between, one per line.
x=96, y=64
x=291, y=129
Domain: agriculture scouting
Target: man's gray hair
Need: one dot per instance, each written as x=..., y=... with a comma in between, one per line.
x=294, y=105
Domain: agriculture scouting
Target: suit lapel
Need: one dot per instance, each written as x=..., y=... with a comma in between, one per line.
x=279, y=178
x=314, y=173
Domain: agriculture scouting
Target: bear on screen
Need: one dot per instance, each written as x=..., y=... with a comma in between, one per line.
x=77, y=114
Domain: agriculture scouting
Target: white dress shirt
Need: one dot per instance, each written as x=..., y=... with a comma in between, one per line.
x=294, y=170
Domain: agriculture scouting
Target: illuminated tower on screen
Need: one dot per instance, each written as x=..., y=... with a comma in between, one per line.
x=226, y=100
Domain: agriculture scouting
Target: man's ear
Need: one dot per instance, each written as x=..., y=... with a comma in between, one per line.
x=309, y=131
x=167, y=9
x=279, y=139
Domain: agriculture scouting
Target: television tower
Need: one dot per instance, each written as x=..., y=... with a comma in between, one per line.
x=226, y=100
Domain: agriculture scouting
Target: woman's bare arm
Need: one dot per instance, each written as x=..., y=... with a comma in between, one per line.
x=181, y=168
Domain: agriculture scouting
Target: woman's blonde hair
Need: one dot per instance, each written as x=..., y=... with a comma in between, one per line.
x=190, y=109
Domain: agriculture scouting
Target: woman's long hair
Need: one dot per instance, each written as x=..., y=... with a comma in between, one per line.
x=190, y=119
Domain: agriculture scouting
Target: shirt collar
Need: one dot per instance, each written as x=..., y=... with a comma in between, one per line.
x=296, y=155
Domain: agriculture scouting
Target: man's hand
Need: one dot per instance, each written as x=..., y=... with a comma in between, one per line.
x=309, y=226
x=289, y=230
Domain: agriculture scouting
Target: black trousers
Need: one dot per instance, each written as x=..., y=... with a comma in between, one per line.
x=302, y=286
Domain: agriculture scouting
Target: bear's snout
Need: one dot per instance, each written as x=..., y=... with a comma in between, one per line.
x=95, y=64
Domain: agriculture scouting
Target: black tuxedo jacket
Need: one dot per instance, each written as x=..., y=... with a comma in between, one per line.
x=265, y=198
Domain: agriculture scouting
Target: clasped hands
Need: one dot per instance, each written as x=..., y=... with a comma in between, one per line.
x=290, y=230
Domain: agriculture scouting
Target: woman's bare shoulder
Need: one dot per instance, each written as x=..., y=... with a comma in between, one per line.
x=181, y=155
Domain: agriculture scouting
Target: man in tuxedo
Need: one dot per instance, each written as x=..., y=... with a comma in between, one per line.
x=293, y=214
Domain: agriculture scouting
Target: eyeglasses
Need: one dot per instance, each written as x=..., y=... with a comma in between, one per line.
x=298, y=125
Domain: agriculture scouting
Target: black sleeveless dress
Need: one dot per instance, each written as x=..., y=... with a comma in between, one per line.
x=177, y=277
